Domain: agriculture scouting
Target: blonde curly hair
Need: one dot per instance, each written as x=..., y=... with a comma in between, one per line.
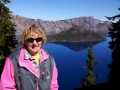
x=29, y=30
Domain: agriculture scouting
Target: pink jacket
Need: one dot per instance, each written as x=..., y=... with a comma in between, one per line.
x=7, y=77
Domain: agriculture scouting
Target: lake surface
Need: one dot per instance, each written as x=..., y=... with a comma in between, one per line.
x=71, y=57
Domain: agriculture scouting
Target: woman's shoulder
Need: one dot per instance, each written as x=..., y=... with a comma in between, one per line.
x=15, y=53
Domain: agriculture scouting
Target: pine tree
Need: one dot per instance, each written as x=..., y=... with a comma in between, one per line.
x=91, y=65
x=5, y=1
x=114, y=45
x=8, y=41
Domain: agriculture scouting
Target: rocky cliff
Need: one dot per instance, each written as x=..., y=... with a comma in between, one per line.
x=54, y=27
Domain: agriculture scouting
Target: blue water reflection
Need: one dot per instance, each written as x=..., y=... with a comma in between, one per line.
x=70, y=59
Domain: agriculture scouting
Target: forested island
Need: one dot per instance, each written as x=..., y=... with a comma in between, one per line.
x=75, y=34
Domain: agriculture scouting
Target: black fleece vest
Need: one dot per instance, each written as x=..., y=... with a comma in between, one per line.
x=25, y=80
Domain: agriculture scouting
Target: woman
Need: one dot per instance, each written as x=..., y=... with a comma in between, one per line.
x=31, y=67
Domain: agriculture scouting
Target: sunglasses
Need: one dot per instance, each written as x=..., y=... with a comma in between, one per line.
x=32, y=39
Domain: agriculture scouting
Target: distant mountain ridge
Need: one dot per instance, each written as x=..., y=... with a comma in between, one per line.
x=54, y=27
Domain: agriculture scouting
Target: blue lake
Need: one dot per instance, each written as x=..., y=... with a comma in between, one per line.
x=71, y=57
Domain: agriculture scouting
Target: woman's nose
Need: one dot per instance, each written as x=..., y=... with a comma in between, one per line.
x=34, y=42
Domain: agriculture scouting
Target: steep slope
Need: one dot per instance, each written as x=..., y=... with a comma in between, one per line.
x=55, y=27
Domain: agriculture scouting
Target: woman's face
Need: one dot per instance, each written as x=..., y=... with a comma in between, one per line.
x=33, y=43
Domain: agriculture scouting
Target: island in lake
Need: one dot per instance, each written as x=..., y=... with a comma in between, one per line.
x=75, y=34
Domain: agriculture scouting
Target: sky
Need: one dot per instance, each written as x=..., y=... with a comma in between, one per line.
x=53, y=10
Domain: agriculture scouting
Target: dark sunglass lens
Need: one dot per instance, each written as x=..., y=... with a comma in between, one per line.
x=38, y=39
x=30, y=40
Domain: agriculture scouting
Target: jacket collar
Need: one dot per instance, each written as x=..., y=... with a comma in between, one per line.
x=26, y=63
